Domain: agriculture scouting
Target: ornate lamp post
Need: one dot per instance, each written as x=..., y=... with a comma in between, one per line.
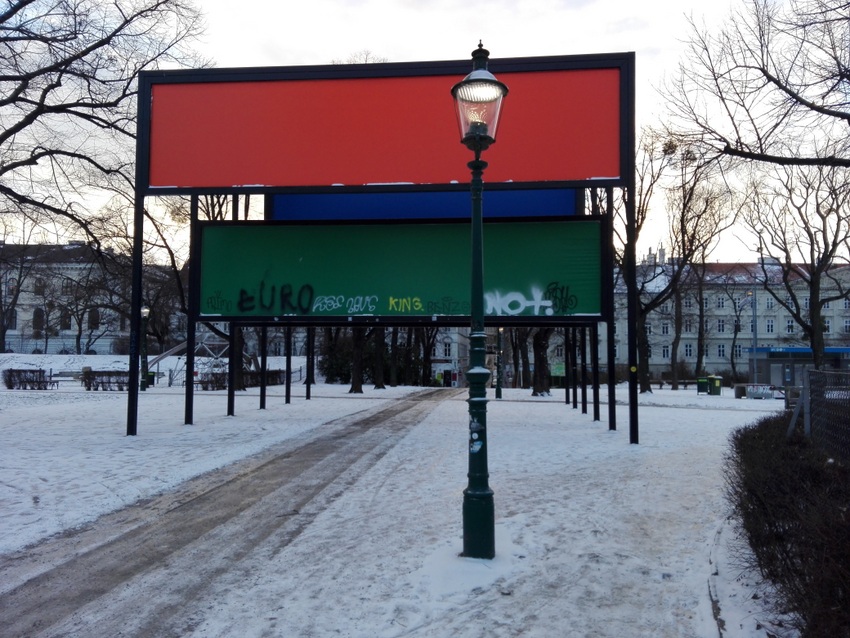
x=478, y=98
x=143, y=384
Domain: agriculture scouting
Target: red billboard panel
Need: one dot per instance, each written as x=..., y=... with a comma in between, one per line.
x=557, y=125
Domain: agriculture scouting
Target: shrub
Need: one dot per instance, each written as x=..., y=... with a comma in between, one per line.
x=792, y=504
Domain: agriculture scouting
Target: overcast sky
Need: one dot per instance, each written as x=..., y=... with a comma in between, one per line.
x=294, y=32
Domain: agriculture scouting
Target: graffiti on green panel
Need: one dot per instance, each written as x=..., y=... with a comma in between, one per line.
x=264, y=271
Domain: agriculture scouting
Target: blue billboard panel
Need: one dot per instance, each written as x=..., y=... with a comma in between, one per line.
x=434, y=205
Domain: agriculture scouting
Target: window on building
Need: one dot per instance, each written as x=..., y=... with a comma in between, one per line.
x=847, y=304
x=721, y=325
x=13, y=320
x=38, y=319
x=705, y=305
x=789, y=326
x=648, y=328
x=94, y=319
x=689, y=326
x=737, y=326
x=705, y=351
x=559, y=351
x=39, y=286
x=768, y=326
x=665, y=352
x=688, y=303
x=11, y=287
x=847, y=326
x=721, y=302
x=806, y=303
x=689, y=350
x=769, y=303
x=67, y=287
x=447, y=349
x=827, y=325
x=826, y=305
x=649, y=351
x=739, y=350
x=721, y=350
x=665, y=328
x=65, y=319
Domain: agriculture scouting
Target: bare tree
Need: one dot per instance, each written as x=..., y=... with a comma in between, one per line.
x=698, y=208
x=801, y=216
x=364, y=56
x=68, y=72
x=770, y=86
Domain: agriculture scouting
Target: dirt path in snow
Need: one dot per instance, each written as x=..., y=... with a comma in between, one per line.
x=131, y=572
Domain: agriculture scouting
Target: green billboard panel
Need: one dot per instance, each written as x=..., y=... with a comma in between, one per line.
x=261, y=271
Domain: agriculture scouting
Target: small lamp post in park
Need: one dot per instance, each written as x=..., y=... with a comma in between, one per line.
x=478, y=98
x=143, y=384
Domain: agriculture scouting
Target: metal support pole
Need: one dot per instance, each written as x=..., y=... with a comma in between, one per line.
x=288, y=364
x=568, y=344
x=233, y=359
x=311, y=335
x=264, y=360
x=135, y=317
x=191, y=323
x=583, y=347
x=143, y=385
x=478, y=510
x=499, y=363
x=755, y=338
x=594, y=368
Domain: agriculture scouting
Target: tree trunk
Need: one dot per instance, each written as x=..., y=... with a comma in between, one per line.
x=380, y=346
x=358, y=341
x=394, y=357
x=525, y=381
x=678, y=320
x=540, y=345
x=514, y=340
x=643, y=354
x=408, y=364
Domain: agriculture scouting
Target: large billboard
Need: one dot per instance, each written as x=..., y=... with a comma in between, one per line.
x=534, y=271
x=378, y=124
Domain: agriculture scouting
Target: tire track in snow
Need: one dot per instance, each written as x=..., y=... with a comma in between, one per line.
x=132, y=572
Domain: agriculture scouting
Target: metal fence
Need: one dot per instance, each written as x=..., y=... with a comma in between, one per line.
x=828, y=413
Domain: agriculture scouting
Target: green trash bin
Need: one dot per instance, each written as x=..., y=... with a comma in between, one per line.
x=702, y=385
x=714, y=385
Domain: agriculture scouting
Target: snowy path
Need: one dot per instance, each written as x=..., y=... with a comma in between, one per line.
x=594, y=536
x=167, y=552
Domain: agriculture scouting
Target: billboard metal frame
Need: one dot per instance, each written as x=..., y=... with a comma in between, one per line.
x=622, y=62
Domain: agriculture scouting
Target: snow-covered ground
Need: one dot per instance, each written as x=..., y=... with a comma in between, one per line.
x=594, y=536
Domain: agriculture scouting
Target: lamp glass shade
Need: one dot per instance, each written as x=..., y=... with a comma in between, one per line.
x=478, y=98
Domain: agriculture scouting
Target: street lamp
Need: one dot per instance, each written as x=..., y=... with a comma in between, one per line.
x=755, y=330
x=143, y=384
x=478, y=98
x=499, y=363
